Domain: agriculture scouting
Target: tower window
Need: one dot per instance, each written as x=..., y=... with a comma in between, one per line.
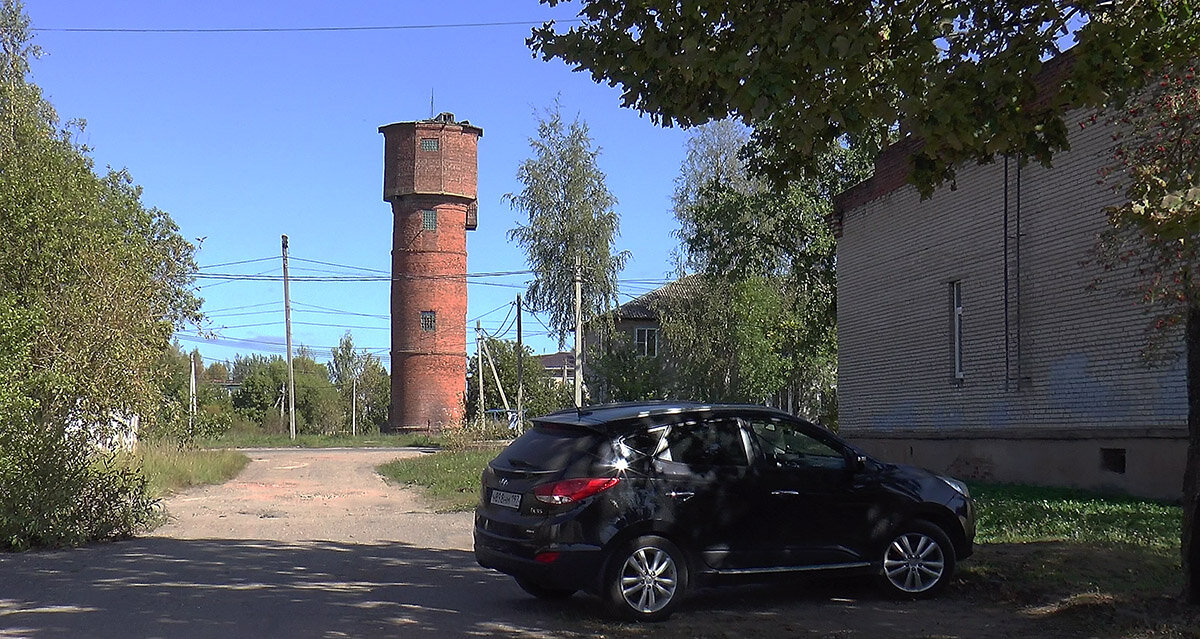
x=429, y=219
x=429, y=144
x=429, y=320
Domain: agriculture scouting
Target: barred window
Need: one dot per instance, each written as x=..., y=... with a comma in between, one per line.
x=429, y=219
x=429, y=320
x=429, y=144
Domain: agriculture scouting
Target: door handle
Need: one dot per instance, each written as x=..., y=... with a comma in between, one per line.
x=683, y=495
x=789, y=493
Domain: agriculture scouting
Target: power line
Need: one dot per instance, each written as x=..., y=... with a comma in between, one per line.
x=259, y=259
x=397, y=27
x=359, y=268
x=238, y=308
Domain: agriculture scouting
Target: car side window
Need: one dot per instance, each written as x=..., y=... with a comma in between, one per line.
x=787, y=445
x=705, y=443
x=639, y=447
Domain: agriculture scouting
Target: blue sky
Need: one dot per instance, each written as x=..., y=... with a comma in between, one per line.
x=243, y=137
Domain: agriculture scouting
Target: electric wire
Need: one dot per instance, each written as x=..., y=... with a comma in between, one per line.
x=395, y=27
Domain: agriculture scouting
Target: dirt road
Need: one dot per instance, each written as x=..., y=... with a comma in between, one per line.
x=312, y=543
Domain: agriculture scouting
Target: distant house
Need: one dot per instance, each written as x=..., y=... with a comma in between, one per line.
x=977, y=336
x=638, y=319
x=559, y=367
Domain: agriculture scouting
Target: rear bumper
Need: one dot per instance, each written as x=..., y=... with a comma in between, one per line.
x=577, y=567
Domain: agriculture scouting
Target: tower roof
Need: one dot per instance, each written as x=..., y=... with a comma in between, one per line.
x=442, y=119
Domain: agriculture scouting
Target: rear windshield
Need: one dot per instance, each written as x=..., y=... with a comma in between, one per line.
x=549, y=447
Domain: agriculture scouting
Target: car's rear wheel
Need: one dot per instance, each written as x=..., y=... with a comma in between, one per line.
x=918, y=562
x=541, y=591
x=646, y=579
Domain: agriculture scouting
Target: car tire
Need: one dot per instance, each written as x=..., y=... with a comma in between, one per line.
x=645, y=579
x=543, y=592
x=917, y=562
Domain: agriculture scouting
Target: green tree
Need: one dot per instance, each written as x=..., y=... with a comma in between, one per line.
x=262, y=397
x=350, y=368
x=542, y=395
x=92, y=285
x=810, y=75
x=745, y=237
x=617, y=372
x=570, y=217
x=733, y=329
x=1156, y=233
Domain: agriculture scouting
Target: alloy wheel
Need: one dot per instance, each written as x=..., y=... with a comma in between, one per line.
x=914, y=562
x=649, y=579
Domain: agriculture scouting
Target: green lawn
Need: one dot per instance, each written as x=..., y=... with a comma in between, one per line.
x=449, y=478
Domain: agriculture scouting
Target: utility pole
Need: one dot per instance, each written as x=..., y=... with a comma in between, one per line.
x=287, y=321
x=192, y=397
x=520, y=371
x=479, y=366
x=354, y=406
x=578, y=331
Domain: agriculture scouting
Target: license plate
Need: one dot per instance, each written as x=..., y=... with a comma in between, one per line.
x=508, y=500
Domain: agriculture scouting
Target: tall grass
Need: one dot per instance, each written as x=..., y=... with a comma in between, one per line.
x=168, y=469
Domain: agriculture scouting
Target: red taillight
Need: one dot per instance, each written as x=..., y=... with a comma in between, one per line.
x=572, y=490
x=546, y=557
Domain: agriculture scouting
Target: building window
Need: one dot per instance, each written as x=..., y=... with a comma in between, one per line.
x=429, y=144
x=429, y=219
x=956, y=327
x=429, y=320
x=647, y=342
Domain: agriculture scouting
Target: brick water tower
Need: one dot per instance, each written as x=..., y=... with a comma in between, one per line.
x=429, y=177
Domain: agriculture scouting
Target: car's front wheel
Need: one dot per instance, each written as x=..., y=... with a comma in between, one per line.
x=918, y=562
x=646, y=579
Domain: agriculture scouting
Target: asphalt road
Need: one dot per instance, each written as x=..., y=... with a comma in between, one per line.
x=312, y=543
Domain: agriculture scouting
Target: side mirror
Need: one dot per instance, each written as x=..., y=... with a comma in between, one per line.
x=858, y=463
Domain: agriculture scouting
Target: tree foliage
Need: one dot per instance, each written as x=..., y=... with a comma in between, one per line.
x=262, y=397
x=92, y=285
x=617, y=372
x=959, y=75
x=350, y=368
x=570, y=216
x=542, y=394
x=1156, y=232
x=770, y=251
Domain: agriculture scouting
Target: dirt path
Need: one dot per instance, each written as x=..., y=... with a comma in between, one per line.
x=312, y=543
x=323, y=494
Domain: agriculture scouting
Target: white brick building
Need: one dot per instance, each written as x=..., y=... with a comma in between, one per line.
x=974, y=337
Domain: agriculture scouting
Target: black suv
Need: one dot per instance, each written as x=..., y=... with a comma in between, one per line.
x=638, y=502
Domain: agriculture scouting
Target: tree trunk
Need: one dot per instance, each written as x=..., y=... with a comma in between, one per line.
x=1190, y=539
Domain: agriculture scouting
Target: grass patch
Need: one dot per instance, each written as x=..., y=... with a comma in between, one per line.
x=449, y=478
x=169, y=469
x=1024, y=514
x=1084, y=560
x=245, y=439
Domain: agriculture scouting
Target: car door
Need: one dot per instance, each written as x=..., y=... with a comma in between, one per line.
x=814, y=509
x=701, y=470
